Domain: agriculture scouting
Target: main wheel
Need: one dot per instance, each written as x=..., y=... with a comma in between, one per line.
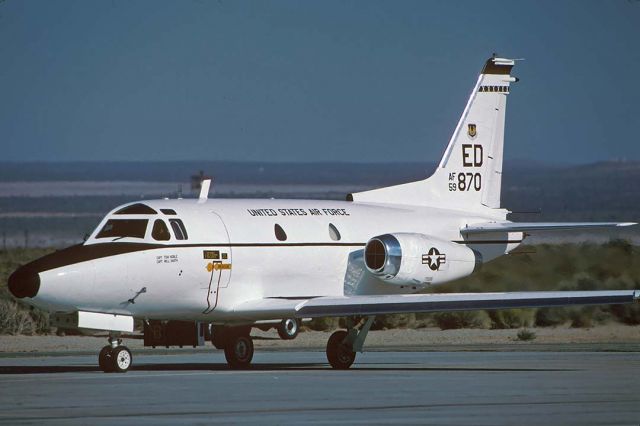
x=121, y=359
x=288, y=329
x=239, y=351
x=339, y=354
x=104, y=360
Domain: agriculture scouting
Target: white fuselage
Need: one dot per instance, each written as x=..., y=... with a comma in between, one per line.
x=233, y=254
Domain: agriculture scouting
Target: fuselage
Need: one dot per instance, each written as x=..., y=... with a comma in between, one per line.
x=166, y=259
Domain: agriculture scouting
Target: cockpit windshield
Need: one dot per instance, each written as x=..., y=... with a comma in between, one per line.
x=135, y=228
x=137, y=208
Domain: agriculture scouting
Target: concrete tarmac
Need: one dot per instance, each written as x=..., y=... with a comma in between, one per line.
x=475, y=388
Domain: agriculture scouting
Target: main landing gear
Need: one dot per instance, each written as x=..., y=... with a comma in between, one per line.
x=343, y=345
x=288, y=329
x=115, y=358
x=237, y=345
x=239, y=351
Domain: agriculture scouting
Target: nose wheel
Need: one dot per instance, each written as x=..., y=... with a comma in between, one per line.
x=115, y=358
x=104, y=360
x=121, y=359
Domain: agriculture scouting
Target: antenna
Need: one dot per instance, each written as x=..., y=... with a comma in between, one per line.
x=204, y=191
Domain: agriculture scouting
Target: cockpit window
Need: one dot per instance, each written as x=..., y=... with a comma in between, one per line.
x=135, y=228
x=137, y=208
x=160, y=231
x=168, y=211
x=178, y=229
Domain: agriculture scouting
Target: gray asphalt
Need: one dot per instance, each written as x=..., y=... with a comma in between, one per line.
x=298, y=387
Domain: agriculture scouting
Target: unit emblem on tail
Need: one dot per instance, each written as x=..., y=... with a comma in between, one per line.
x=471, y=131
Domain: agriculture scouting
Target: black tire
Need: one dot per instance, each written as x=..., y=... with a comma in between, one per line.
x=339, y=354
x=239, y=351
x=121, y=359
x=288, y=329
x=105, y=360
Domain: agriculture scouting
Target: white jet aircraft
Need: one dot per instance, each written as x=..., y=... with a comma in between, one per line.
x=193, y=268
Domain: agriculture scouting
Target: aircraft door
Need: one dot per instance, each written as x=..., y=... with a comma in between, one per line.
x=217, y=262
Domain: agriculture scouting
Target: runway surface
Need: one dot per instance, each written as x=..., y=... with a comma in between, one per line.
x=298, y=387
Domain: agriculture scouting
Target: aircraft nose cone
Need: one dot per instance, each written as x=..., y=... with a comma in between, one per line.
x=24, y=282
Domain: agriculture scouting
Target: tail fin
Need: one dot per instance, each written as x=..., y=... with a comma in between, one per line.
x=469, y=176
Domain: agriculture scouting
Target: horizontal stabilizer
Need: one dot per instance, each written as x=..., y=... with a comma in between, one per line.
x=483, y=228
x=392, y=304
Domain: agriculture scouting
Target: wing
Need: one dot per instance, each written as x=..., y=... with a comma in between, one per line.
x=481, y=228
x=274, y=308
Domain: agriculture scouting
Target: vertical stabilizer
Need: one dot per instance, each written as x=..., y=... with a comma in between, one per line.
x=469, y=175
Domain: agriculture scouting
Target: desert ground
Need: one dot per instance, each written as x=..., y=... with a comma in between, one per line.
x=612, y=337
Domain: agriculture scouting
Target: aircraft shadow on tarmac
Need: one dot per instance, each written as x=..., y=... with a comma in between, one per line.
x=39, y=369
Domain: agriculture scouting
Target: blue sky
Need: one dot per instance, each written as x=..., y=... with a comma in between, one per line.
x=311, y=81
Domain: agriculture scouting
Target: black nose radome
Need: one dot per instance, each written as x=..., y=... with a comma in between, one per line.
x=24, y=282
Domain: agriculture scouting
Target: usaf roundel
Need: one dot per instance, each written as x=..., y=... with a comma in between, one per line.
x=434, y=259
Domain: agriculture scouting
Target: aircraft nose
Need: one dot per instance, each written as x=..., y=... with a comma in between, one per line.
x=24, y=282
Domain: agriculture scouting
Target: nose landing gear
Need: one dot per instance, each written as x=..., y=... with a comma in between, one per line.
x=105, y=360
x=115, y=358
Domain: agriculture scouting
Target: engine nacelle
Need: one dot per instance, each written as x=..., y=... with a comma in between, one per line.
x=406, y=259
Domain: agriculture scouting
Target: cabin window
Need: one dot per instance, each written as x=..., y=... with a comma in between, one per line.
x=334, y=233
x=137, y=208
x=135, y=228
x=170, y=212
x=178, y=229
x=160, y=231
x=280, y=234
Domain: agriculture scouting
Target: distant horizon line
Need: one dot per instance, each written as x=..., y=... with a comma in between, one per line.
x=294, y=162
